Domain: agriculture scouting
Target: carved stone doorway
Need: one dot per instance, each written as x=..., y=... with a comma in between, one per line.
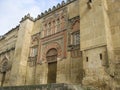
x=52, y=65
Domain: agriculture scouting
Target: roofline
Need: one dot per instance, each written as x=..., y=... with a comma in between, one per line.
x=54, y=8
x=3, y=36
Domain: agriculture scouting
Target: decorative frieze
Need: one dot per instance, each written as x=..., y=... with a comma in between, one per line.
x=54, y=23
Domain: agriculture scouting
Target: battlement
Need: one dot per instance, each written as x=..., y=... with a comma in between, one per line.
x=54, y=8
x=27, y=17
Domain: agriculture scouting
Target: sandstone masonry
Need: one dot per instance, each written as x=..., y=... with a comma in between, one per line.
x=75, y=42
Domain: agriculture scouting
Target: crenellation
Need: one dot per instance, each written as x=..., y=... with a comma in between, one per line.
x=54, y=8
x=58, y=5
x=46, y=12
x=49, y=10
x=42, y=14
x=63, y=3
x=38, y=17
x=27, y=17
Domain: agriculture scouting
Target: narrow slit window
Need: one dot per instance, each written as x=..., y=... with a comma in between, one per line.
x=86, y=59
x=90, y=1
x=101, y=56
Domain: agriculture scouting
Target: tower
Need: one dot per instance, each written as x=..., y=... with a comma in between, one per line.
x=18, y=73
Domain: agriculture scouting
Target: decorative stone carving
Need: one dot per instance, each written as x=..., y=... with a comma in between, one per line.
x=35, y=39
x=5, y=65
x=73, y=20
x=56, y=22
x=51, y=55
x=50, y=46
x=51, y=52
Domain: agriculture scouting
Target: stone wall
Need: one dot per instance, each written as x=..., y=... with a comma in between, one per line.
x=95, y=43
x=114, y=29
x=103, y=17
x=69, y=69
x=7, y=49
x=92, y=27
x=93, y=62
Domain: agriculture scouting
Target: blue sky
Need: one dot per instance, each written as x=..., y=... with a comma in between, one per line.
x=11, y=11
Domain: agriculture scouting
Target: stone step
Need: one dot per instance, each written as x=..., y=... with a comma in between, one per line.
x=79, y=87
x=61, y=86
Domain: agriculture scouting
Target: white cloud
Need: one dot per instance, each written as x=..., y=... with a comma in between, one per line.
x=11, y=11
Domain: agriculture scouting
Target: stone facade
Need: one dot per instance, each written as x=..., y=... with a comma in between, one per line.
x=75, y=42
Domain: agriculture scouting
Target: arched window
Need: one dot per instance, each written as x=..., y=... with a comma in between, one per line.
x=49, y=28
x=62, y=23
x=58, y=25
x=53, y=27
x=75, y=38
